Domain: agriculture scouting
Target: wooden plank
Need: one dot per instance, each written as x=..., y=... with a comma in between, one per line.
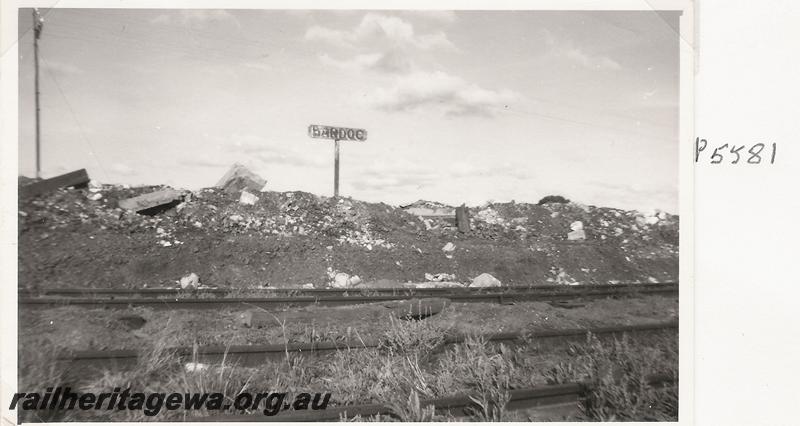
x=78, y=178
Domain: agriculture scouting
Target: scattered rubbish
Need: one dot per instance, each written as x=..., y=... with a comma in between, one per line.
x=449, y=247
x=577, y=235
x=341, y=280
x=485, y=280
x=248, y=198
x=77, y=179
x=191, y=281
x=307, y=286
x=95, y=197
x=436, y=284
x=239, y=178
x=440, y=277
x=153, y=203
x=195, y=367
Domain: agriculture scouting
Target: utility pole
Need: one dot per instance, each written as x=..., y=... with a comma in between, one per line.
x=37, y=32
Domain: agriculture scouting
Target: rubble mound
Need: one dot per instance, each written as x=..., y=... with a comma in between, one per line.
x=83, y=238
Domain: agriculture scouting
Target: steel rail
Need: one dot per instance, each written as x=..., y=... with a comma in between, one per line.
x=256, y=354
x=173, y=292
x=283, y=302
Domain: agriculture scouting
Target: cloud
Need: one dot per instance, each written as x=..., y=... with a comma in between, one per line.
x=390, y=62
x=461, y=169
x=567, y=50
x=195, y=17
x=438, y=91
x=399, y=174
x=380, y=28
x=261, y=66
x=203, y=162
x=442, y=16
x=270, y=153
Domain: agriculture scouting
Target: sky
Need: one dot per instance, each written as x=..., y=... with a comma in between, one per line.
x=460, y=107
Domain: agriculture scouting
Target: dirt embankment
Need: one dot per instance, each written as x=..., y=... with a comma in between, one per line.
x=76, y=238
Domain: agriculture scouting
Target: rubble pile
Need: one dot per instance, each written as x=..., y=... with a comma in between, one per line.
x=112, y=235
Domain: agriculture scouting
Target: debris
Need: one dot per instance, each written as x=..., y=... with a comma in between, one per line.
x=153, y=203
x=440, y=277
x=248, y=198
x=255, y=318
x=307, y=286
x=353, y=281
x=579, y=234
x=239, y=178
x=576, y=226
x=195, y=367
x=95, y=197
x=94, y=186
x=77, y=179
x=341, y=280
x=417, y=309
x=191, y=281
x=485, y=280
x=462, y=219
x=449, y=247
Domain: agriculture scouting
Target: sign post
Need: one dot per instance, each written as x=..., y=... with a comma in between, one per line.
x=337, y=134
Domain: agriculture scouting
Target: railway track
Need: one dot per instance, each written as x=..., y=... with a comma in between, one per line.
x=547, y=403
x=283, y=298
x=250, y=355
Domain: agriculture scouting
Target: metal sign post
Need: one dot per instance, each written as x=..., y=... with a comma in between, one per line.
x=337, y=134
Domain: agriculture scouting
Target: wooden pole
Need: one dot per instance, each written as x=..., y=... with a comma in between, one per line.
x=36, y=31
x=336, y=170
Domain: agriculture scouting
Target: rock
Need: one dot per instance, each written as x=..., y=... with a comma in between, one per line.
x=417, y=309
x=449, y=247
x=235, y=218
x=576, y=235
x=95, y=186
x=96, y=196
x=353, y=281
x=239, y=178
x=247, y=198
x=195, y=367
x=440, y=277
x=341, y=280
x=153, y=203
x=576, y=226
x=485, y=280
x=190, y=281
x=307, y=286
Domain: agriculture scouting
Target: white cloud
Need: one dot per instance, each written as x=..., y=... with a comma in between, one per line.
x=195, y=17
x=392, y=62
x=265, y=152
x=566, y=49
x=438, y=91
x=380, y=28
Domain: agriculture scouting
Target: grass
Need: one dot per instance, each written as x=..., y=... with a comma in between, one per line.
x=617, y=372
x=410, y=364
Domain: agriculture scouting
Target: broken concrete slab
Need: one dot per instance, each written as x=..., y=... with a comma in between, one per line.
x=77, y=179
x=417, y=309
x=576, y=235
x=239, y=178
x=154, y=202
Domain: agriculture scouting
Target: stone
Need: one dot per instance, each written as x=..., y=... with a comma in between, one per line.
x=485, y=280
x=341, y=280
x=449, y=247
x=578, y=235
x=436, y=284
x=195, y=367
x=440, y=277
x=153, y=202
x=354, y=281
x=576, y=226
x=307, y=286
x=190, y=281
x=247, y=198
x=239, y=178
